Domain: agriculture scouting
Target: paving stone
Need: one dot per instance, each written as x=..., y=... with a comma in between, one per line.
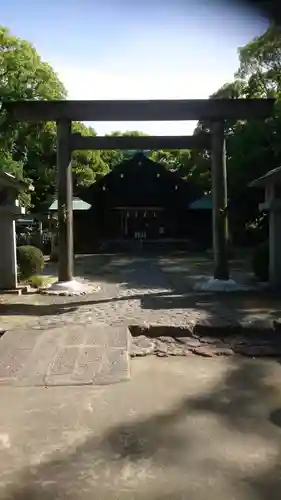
x=25, y=339
x=248, y=340
x=35, y=369
x=258, y=350
x=204, y=351
x=66, y=354
x=257, y=326
x=189, y=341
x=11, y=362
x=88, y=364
x=161, y=354
x=105, y=335
x=74, y=336
x=213, y=341
x=141, y=346
x=115, y=367
x=215, y=326
x=166, y=340
x=222, y=350
x=62, y=367
x=169, y=348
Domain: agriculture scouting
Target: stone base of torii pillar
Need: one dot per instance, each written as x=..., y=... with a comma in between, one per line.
x=69, y=288
x=215, y=285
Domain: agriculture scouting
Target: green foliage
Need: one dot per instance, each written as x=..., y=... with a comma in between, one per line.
x=253, y=147
x=30, y=148
x=23, y=74
x=9, y=165
x=260, y=64
x=36, y=281
x=260, y=261
x=39, y=281
x=30, y=261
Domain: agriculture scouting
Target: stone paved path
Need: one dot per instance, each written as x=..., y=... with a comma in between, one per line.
x=133, y=290
x=72, y=341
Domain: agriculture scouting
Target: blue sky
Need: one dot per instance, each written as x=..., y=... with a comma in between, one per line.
x=148, y=49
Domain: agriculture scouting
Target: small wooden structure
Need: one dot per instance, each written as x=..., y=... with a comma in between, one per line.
x=78, y=207
x=9, y=211
x=271, y=183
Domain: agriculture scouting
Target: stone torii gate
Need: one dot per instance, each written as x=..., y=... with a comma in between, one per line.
x=216, y=111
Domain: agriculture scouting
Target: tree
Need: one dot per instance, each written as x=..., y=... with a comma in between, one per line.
x=253, y=147
x=113, y=157
x=23, y=75
x=7, y=164
x=29, y=149
x=260, y=64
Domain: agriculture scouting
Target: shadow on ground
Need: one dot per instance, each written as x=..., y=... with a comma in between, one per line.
x=132, y=270
x=222, y=443
x=217, y=306
x=237, y=409
x=158, y=284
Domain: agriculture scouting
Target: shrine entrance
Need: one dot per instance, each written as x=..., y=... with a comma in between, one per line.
x=214, y=111
x=140, y=222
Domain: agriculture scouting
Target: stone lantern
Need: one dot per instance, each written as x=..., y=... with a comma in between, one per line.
x=9, y=211
x=271, y=183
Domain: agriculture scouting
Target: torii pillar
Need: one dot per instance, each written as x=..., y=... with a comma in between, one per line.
x=65, y=194
x=219, y=197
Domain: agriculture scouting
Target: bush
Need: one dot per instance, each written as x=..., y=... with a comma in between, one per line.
x=260, y=261
x=36, y=281
x=30, y=261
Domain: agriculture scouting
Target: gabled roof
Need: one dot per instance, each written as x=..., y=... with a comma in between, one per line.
x=141, y=174
x=204, y=203
x=9, y=180
x=77, y=204
x=138, y=164
x=273, y=176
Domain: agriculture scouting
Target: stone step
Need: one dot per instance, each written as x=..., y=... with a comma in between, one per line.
x=75, y=354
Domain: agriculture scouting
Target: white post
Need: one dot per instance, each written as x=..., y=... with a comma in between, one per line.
x=275, y=248
x=273, y=205
x=8, y=256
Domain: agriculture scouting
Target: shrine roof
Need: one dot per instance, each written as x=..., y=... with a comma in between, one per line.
x=9, y=180
x=271, y=177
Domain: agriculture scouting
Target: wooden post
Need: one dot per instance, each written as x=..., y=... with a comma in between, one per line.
x=274, y=207
x=65, y=216
x=219, y=196
x=275, y=248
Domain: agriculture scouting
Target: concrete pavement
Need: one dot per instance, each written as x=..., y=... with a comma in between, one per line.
x=182, y=428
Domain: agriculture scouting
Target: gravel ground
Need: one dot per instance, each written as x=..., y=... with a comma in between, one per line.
x=132, y=290
x=135, y=290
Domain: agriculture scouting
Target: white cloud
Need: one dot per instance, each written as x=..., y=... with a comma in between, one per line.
x=83, y=83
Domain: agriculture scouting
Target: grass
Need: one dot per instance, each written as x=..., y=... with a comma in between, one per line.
x=40, y=281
